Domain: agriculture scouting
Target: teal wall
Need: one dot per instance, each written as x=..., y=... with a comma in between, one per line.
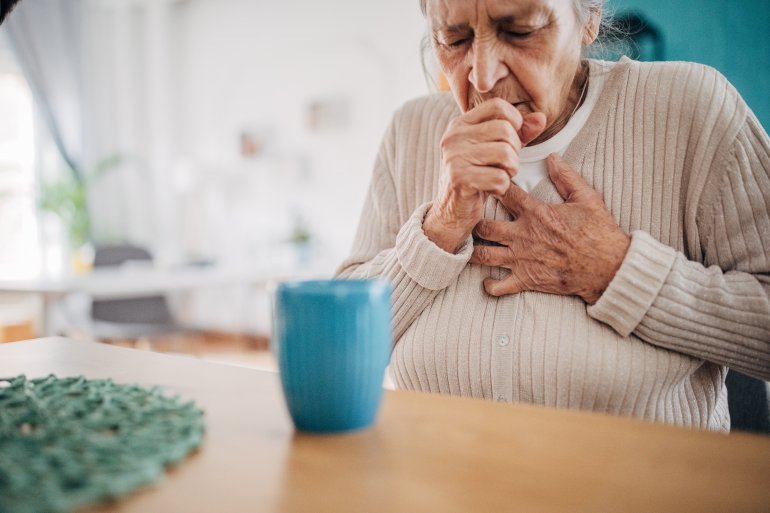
x=731, y=36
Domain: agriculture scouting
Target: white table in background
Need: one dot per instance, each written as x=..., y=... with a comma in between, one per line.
x=140, y=281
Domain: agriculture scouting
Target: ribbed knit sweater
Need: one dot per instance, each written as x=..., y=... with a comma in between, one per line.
x=683, y=166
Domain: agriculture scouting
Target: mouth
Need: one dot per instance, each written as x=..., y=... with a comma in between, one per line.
x=525, y=106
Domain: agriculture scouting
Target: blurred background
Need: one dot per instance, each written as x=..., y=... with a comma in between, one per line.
x=211, y=147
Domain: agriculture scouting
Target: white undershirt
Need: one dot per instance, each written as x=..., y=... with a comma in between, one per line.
x=532, y=167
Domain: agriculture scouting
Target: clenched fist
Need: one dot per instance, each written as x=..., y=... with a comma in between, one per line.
x=479, y=155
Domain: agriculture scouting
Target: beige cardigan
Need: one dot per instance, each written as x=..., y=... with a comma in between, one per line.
x=684, y=166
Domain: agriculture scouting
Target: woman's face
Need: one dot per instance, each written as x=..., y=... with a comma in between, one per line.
x=524, y=51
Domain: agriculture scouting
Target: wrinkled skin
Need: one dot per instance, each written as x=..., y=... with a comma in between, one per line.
x=573, y=248
x=515, y=71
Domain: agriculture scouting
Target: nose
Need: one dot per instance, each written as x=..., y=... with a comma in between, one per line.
x=487, y=67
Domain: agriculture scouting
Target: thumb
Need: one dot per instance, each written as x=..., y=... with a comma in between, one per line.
x=509, y=285
x=532, y=126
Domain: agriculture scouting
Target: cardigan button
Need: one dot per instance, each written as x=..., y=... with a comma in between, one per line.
x=503, y=340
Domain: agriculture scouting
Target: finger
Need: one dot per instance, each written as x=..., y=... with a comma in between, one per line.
x=494, y=130
x=495, y=154
x=463, y=138
x=493, y=256
x=494, y=108
x=494, y=231
x=569, y=183
x=491, y=180
x=508, y=285
x=532, y=125
x=516, y=201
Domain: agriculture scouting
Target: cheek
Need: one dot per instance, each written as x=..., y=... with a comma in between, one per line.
x=456, y=72
x=547, y=79
x=536, y=79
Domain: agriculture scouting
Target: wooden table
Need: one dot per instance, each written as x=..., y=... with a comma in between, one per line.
x=425, y=453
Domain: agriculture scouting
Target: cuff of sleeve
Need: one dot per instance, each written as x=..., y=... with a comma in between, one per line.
x=427, y=264
x=636, y=284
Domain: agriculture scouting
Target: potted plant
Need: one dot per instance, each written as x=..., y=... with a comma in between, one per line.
x=301, y=239
x=67, y=198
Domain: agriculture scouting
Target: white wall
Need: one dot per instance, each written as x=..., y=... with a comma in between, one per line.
x=173, y=83
x=251, y=64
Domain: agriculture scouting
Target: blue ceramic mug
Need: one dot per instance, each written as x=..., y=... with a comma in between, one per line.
x=332, y=340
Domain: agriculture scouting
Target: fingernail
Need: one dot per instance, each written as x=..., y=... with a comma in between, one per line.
x=556, y=160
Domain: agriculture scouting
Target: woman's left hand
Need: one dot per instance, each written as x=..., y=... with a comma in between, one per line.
x=574, y=248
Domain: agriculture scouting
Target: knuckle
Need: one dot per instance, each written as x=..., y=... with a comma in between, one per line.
x=511, y=156
x=544, y=212
x=501, y=152
x=452, y=161
x=499, y=104
x=503, y=129
x=510, y=133
x=503, y=180
x=597, y=198
x=447, y=140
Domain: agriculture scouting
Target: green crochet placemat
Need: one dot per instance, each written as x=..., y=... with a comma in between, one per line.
x=69, y=442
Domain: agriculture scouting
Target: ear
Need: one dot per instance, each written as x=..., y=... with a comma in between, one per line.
x=591, y=30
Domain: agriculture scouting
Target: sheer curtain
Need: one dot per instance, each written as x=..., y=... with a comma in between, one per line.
x=89, y=66
x=45, y=37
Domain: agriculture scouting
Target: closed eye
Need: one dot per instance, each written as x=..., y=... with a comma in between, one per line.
x=518, y=35
x=453, y=37
x=458, y=42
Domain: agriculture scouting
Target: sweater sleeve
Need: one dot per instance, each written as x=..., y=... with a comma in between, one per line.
x=718, y=310
x=416, y=267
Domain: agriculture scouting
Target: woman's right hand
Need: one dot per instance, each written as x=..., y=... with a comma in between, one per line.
x=479, y=156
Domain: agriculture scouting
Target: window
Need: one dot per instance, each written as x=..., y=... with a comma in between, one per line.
x=19, y=240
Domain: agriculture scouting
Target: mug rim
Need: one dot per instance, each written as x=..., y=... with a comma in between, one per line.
x=334, y=286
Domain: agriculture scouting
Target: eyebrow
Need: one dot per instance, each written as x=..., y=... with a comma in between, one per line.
x=461, y=28
x=457, y=28
x=506, y=20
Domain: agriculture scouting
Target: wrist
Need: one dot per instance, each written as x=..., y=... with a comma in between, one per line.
x=448, y=235
x=614, y=256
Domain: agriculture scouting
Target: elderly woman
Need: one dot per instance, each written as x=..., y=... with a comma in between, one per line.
x=571, y=232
